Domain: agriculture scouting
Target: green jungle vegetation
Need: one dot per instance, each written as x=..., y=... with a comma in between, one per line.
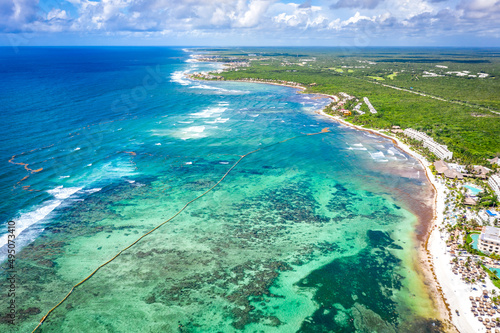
x=463, y=121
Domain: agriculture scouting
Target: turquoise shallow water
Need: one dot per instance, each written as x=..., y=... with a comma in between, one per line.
x=311, y=234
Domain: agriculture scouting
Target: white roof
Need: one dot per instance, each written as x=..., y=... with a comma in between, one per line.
x=491, y=234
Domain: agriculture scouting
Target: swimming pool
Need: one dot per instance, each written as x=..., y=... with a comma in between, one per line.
x=474, y=241
x=495, y=270
x=474, y=190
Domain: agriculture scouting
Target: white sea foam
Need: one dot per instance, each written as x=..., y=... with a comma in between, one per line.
x=188, y=163
x=379, y=156
x=193, y=132
x=210, y=112
x=357, y=148
x=394, y=151
x=158, y=144
x=185, y=122
x=39, y=213
x=217, y=121
x=92, y=190
x=204, y=86
x=254, y=115
x=224, y=162
x=61, y=192
x=179, y=77
x=62, y=177
x=218, y=89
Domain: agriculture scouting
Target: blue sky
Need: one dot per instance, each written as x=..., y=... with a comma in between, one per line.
x=251, y=22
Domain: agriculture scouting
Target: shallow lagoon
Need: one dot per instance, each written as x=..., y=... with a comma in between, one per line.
x=313, y=234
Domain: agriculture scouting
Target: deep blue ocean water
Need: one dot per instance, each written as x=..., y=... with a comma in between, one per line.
x=99, y=145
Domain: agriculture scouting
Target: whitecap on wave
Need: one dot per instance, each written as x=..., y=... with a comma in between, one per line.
x=218, y=89
x=193, y=132
x=210, y=112
x=217, y=121
x=39, y=213
x=379, y=156
x=179, y=77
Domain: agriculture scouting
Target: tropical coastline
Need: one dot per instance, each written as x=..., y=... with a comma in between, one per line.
x=250, y=166
x=430, y=264
x=295, y=225
x=428, y=226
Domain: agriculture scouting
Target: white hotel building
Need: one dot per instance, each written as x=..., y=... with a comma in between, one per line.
x=494, y=183
x=489, y=240
x=441, y=151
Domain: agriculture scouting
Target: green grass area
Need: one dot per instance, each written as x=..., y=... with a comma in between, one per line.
x=469, y=130
x=392, y=76
x=468, y=245
x=493, y=277
x=378, y=78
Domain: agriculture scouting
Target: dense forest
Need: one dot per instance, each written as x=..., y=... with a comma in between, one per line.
x=461, y=108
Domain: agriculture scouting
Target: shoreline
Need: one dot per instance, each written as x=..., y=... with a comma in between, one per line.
x=432, y=240
x=424, y=265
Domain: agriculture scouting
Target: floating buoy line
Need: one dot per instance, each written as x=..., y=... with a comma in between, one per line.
x=323, y=131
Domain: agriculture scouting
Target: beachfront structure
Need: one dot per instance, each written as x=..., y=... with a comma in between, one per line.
x=370, y=106
x=442, y=168
x=494, y=183
x=489, y=240
x=357, y=108
x=495, y=160
x=441, y=151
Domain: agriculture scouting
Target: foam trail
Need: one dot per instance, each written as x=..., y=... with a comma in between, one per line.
x=379, y=156
x=179, y=77
x=210, y=112
x=193, y=132
x=217, y=121
x=28, y=219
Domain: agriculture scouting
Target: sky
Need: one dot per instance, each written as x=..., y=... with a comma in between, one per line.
x=356, y=23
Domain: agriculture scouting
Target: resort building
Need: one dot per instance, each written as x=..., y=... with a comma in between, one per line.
x=441, y=151
x=370, y=106
x=489, y=240
x=442, y=168
x=494, y=183
x=495, y=160
x=396, y=129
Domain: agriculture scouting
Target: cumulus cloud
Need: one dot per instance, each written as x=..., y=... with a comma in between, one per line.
x=275, y=18
x=16, y=14
x=481, y=10
x=370, y=4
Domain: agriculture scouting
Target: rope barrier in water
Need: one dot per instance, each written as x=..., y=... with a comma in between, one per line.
x=325, y=130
